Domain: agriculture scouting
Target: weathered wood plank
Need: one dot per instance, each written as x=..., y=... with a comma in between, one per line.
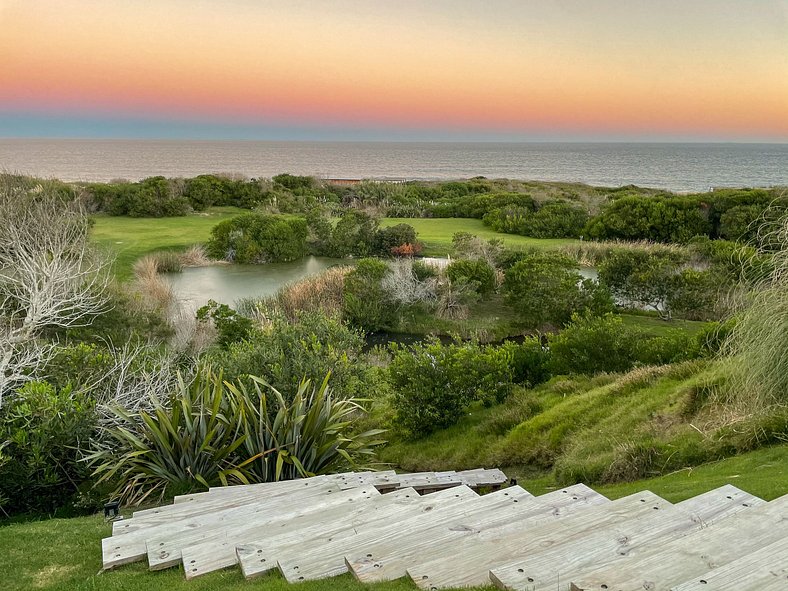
x=553, y=568
x=164, y=548
x=473, y=558
x=327, y=560
x=131, y=546
x=683, y=559
x=170, y=513
x=260, y=556
x=765, y=569
x=219, y=551
x=261, y=489
x=386, y=561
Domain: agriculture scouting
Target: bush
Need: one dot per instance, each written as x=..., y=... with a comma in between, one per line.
x=695, y=295
x=530, y=361
x=546, y=290
x=286, y=352
x=661, y=219
x=641, y=278
x=556, y=219
x=43, y=431
x=394, y=237
x=594, y=345
x=212, y=432
x=477, y=272
x=256, y=238
x=231, y=327
x=435, y=383
x=355, y=234
x=605, y=345
x=367, y=305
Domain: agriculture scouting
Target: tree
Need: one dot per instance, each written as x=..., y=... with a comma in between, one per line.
x=354, y=235
x=50, y=277
x=641, y=278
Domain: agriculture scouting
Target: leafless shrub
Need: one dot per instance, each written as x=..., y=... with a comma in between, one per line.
x=50, y=275
x=404, y=287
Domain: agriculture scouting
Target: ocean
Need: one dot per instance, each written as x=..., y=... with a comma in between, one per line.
x=677, y=167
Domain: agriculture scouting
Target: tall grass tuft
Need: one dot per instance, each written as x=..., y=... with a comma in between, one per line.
x=317, y=293
x=194, y=256
x=154, y=290
x=758, y=343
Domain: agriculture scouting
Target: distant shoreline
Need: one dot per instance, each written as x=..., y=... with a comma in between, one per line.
x=679, y=167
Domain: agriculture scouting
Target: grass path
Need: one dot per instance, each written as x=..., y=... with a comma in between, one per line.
x=65, y=554
x=436, y=234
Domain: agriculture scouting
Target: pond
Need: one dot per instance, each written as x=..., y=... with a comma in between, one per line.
x=194, y=286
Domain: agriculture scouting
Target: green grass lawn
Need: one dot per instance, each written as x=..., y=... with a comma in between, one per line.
x=436, y=234
x=131, y=238
x=654, y=325
x=65, y=554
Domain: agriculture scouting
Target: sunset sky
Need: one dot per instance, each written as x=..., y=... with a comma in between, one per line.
x=405, y=70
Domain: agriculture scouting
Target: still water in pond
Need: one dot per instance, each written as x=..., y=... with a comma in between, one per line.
x=229, y=283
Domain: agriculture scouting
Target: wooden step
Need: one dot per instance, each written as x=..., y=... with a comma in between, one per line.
x=262, y=555
x=131, y=546
x=471, y=562
x=218, y=551
x=164, y=549
x=688, y=557
x=329, y=559
x=765, y=569
x=546, y=569
x=387, y=561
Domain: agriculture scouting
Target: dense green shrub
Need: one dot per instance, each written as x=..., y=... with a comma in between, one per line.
x=477, y=272
x=546, y=290
x=556, y=219
x=355, y=234
x=255, y=238
x=672, y=347
x=641, y=277
x=390, y=238
x=695, y=295
x=530, y=361
x=366, y=304
x=594, y=345
x=294, y=182
x=231, y=327
x=43, y=432
x=287, y=352
x=435, y=383
x=661, y=219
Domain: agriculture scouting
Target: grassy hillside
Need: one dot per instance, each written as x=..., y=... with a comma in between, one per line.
x=605, y=429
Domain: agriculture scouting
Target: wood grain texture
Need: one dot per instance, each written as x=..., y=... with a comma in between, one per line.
x=690, y=556
x=387, y=561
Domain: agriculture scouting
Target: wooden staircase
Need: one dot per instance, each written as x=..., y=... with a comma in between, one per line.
x=436, y=529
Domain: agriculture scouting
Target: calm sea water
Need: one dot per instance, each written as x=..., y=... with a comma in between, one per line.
x=679, y=167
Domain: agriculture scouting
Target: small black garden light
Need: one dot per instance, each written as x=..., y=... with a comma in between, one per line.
x=111, y=509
